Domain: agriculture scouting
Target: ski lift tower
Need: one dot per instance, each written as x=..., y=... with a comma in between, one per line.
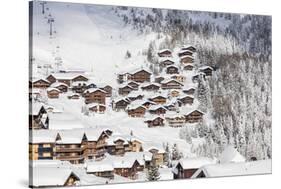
x=51, y=21
x=43, y=6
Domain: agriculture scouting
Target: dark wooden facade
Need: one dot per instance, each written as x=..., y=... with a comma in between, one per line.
x=186, y=100
x=53, y=93
x=165, y=53
x=96, y=96
x=69, y=152
x=166, y=62
x=134, y=85
x=40, y=83
x=185, y=53
x=159, y=99
x=188, y=67
x=183, y=173
x=158, y=111
x=140, y=76
x=108, y=90
x=151, y=87
x=137, y=112
x=194, y=117
x=128, y=172
x=154, y=122
x=208, y=71
x=125, y=90
x=121, y=104
x=189, y=91
x=172, y=70
x=98, y=108
x=172, y=84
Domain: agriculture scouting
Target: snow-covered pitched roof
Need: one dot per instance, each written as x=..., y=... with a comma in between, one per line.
x=50, y=176
x=187, y=46
x=52, y=89
x=148, y=84
x=156, y=107
x=38, y=79
x=125, y=85
x=188, y=111
x=57, y=84
x=168, y=80
x=162, y=59
x=98, y=166
x=150, y=117
x=135, y=94
x=195, y=163
x=93, y=104
x=230, y=154
x=172, y=66
x=147, y=146
x=184, y=96
x=186, y=56
x=138, y=70
x=43, y=136
x=185, y=50
x=134, y=106
x=206, y=67
x=236, y=169
x=66, y=76
x=157, y=95
x=91, y=90
x=140, y=156
x=163, y=50
x=35, y=108
x=73, y=136
x=173, y=115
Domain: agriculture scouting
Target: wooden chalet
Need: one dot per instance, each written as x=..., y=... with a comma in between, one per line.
x=185, y=168
x=157, y=109
x=188, y=67
x=171, y=84
x=136, y=111
x=157, y=155
x=166, y=62
x=94, y=95
x=165, y=53
x=49, y=177
x=125, y=90
x=98, y=108
x=135, y=145
x=185, y=53
x=38, y=117
x=172, y=69
x=121, y=104
x=154, y=121
x=100, y=169
x=41, y=146
x=189, y=47
x=186, y=99
x=134, y=95
x=94, y=143
x=175, y=120
x=60, y=86
x=69, y=147
x=117, y=146
x=140, y=76
x=108, y=90
x=126, y=168
x=79, y=86
x=40, y=83
x=158, y=99
x=189, y=91
x=208, y=70
x=187, y=60
x=194, y=116
x=67, y=78
x=53, y=92
x=134, y=85
x=151, y=87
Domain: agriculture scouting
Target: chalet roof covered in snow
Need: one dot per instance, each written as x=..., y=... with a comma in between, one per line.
x=168, y=80
x=98, y=166
x=150, y=117
x=50, y=176
x=52, y=89
x=164, y=50
x=206, y=67
x=149, y=145
x=162, y=59
x=43, y=136
x=66, y=76
x=235, y=169
x=92, y=90
x=156, y=107
x=140, y=156
x=119, y=162
x=73, y=136
x=173, y=115
x=38, y=79
x=185, y=50
x=230, y=154
x=35, y=108
x=186, y=56
x=57, y=84
x=94, y=104
x=195, y=163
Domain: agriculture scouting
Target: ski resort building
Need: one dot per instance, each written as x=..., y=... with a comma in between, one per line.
x=94, y=95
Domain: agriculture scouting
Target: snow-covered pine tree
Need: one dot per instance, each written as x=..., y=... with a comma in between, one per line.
x=153, y=173
x=176, y=155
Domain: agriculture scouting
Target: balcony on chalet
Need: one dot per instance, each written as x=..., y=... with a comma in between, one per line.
x=68, y=149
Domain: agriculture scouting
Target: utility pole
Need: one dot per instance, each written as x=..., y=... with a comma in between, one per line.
x=50, y=21
x=43, y=6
